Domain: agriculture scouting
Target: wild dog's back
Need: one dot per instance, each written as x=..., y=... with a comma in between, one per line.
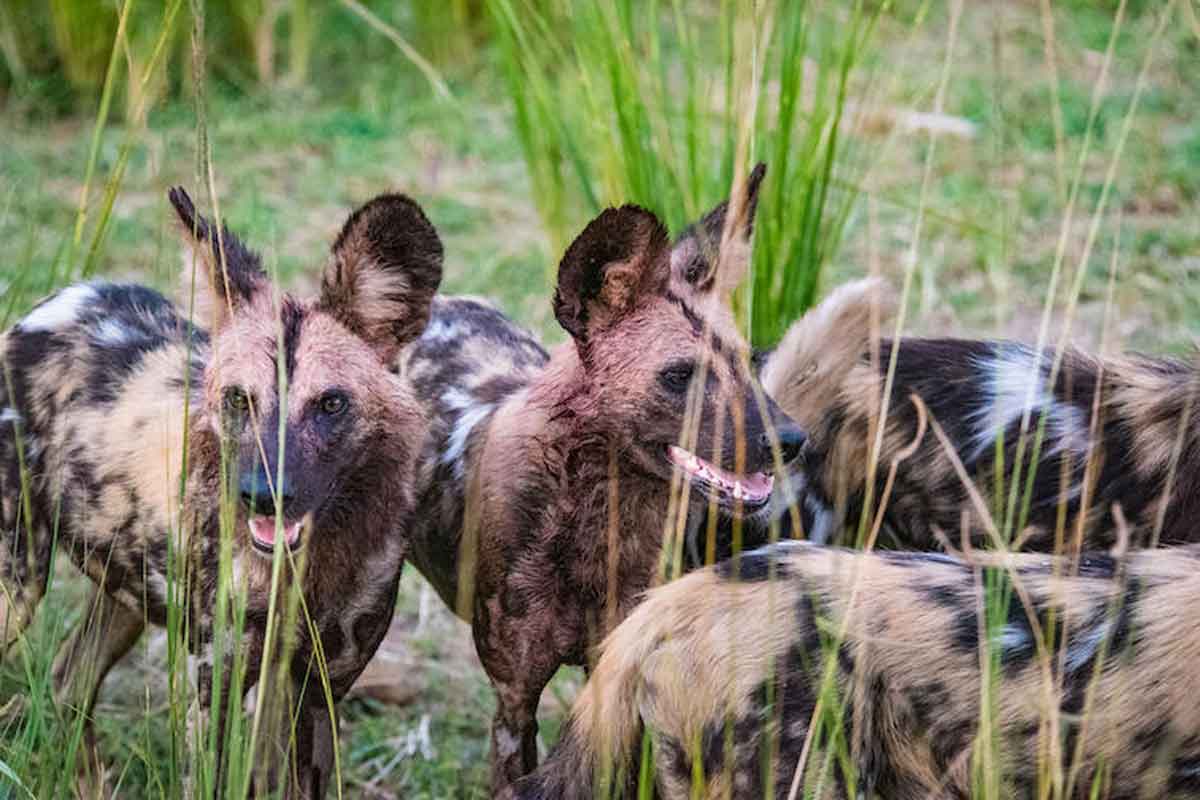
x=470, y=360
x=95, y=365
x=1092, y=679
x=1119, y=430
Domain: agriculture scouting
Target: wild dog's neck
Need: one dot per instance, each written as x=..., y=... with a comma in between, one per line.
x=574, y=421
x=562, y=415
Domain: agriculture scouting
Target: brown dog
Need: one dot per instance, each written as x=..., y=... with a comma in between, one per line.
x=547, y=479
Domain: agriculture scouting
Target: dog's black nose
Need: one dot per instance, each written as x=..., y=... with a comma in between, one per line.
x=792, y=439
x=256, y=493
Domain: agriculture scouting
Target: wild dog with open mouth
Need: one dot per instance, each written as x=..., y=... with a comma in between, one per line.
x=1119, y=430
x=1092, y=691
x=547, y=478
x=294, y=426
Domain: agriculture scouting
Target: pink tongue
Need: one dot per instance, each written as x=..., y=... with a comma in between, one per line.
x=263, y=530
x=759, y=482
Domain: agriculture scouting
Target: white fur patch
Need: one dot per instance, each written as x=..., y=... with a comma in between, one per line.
x=1087, y=647
x=823, y=521
x=250, y=701
x=440, y=329
x=1013, y=388
x=457, y=444
x=10, y=416
x=156, y=585
x=507, y=744
x=112, y=333
x=60, y=310
x=1013, y=637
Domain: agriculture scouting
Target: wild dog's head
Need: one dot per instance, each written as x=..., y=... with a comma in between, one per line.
x=297, y=392
x=667, y=377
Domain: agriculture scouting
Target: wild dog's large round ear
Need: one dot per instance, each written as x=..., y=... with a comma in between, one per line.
x=620, y=258
x=222, y=273
x=714, y=252
x=385, y=268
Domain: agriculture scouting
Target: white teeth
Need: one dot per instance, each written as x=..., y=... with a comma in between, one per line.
x=698, y=467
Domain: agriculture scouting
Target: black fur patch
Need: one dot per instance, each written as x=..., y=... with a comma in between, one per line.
x=752, y=567
x=292, y=320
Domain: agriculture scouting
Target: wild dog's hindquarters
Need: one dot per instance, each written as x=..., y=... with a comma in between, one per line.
x=549, y=479
x=864, y=670
x=92, y=409
x=1099, y=432
x=104, y=383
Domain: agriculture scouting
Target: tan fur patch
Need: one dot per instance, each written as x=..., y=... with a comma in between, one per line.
x=807, y=371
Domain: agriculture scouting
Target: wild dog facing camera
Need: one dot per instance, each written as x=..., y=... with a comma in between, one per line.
x=295, y=431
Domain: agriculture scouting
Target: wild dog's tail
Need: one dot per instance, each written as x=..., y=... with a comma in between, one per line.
x=806, y=371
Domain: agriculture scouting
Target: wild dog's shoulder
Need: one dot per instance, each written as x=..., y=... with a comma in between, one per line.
x=116, y=321
x=111, y=312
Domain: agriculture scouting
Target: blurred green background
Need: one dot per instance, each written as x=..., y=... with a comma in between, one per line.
x=996, y=158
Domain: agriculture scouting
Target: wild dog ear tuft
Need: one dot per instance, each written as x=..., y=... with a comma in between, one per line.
x=228, y=273
x=620, y=258
x=385, y=268
x=805, y=373
x=714, y=253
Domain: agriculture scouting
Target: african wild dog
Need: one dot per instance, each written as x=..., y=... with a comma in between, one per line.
x=104, y=383
x=1092, y=685
x=547, y=479
x=1118, y=430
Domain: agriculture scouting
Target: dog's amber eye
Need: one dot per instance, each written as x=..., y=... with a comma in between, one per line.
x=236, y=400
x=334, y=403
x=678, y=376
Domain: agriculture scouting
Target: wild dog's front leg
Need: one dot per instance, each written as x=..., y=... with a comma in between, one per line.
x=520, y=657
x=197, y=781
x=514, y=730
x=205, y=773
x=24, y=563
x=101, y=639
x=311, y=765
x=105, y=634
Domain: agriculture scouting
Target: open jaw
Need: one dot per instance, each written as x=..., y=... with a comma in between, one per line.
x=752, y=489
x=263, y=531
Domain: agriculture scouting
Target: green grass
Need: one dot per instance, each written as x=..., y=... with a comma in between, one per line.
x=538, y=134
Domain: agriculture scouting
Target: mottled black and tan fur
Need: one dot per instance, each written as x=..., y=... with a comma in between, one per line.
x=105, y=383
x=1121, y=430
x=1092, y=686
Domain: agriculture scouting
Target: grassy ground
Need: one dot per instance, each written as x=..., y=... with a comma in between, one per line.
x=291, y=162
